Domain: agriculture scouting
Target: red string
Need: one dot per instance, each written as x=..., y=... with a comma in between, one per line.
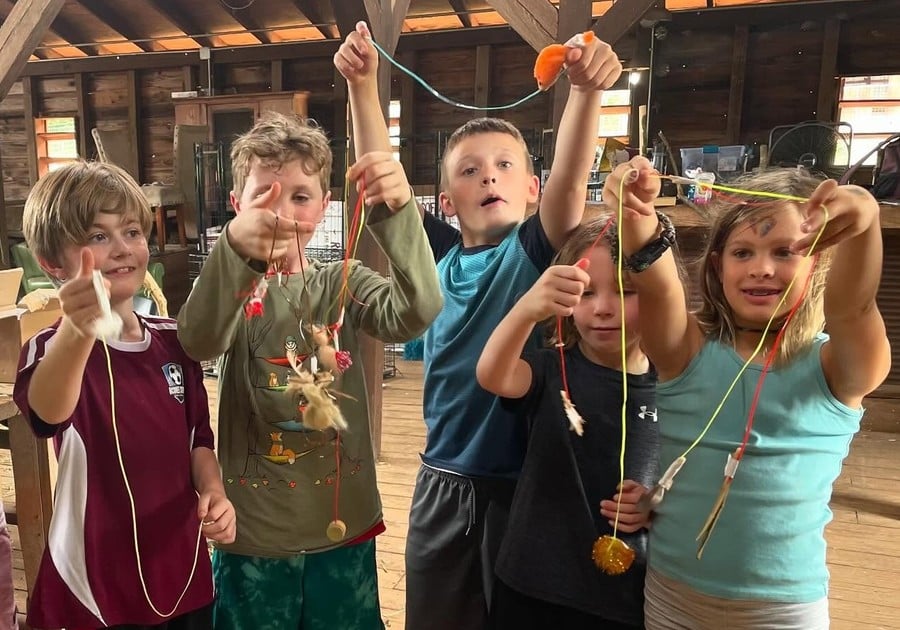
x=770, y=359
x=559, y=320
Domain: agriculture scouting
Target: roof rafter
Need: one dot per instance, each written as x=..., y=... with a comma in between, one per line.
x=187, y=26
x=462, y=12
x=113, y=19
x=347, y=13
x=20, y=32
x=314, y=13
x=536, y=21
x=257, y=29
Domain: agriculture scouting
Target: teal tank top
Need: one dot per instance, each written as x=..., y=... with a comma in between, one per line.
x=769, y=542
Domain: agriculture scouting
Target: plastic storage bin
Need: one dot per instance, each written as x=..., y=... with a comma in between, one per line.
x=732, y=161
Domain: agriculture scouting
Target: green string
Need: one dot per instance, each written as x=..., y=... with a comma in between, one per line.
x=440, y=96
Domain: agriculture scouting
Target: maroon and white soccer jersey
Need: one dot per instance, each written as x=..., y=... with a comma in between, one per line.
x=89, y=573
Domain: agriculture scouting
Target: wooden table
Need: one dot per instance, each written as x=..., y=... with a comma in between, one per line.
x=31, y=473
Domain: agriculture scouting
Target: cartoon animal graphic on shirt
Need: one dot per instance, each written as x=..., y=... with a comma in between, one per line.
x=277, y=452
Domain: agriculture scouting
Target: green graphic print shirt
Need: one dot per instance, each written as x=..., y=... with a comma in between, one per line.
x=280, y=475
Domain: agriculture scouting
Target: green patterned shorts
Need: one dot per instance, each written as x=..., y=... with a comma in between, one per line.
x=332, y=590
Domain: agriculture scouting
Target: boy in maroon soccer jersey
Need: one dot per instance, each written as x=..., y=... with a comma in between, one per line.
x=129, y=418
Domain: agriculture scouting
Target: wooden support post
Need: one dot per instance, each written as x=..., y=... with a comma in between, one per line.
x=4, y=235
x=134, y=123
x=574, y=17
x=85, y=122
x=277, y=71
x=826, y=106
x=28, y=105
x=407, y=114
x=20, y=33
x=736, y=90
x=34, y=498
x=482, y=74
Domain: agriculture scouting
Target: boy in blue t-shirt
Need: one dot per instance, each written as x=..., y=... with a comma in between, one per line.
x=474, y=447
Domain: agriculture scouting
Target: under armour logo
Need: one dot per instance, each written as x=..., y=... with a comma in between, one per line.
x=644, y=413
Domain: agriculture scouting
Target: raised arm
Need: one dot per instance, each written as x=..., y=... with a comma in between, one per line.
x=591, y=69
x=357, y=61
x=500, y=369
x=670, y=335
x=857, y=357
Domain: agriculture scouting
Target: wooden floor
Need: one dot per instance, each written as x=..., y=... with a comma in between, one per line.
x=864, y=538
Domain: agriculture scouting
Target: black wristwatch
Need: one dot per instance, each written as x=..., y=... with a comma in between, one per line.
x=651, y=252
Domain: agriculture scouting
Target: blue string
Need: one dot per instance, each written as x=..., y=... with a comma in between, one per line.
x=440, y=96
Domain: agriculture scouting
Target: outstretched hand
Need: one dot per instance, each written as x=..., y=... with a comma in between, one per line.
x=78, y=299
x=260, y=233
x=851, y=210
x=557, y=292
x=384, y=180
x=641, y=187
x=595, y=66
x=357, y=59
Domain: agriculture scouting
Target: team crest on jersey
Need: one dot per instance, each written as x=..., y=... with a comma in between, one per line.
x=175, y=379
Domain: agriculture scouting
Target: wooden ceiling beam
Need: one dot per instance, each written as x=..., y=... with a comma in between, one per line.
x=257, y=29
x=456, y=38
x=347, y=13
x=462, y=12
x=73, y=35
x=191, y=29
x=620, y=18
x=536, y=21
x=314, y=13
x=20, y=33
x=113, y=19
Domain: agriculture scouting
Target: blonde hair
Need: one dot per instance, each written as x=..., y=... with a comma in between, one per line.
x=277, y=139
x=715, y=315
x=478, y=126
x=63, y=205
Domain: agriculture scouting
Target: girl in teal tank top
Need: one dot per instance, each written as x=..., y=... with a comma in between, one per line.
x=761, y=555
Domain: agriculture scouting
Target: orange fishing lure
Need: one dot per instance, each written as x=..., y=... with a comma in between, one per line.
x=550, y=62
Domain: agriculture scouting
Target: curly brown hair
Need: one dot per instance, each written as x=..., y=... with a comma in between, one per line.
x=277, y=139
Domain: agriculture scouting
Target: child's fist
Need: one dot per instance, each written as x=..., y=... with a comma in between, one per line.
x=357, y=58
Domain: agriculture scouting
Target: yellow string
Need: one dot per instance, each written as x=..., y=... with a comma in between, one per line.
x=619, y=278
x=137, y=553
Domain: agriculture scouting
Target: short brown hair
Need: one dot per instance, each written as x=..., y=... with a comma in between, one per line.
x=478, y=126
x=62, y=206
x=277, y=139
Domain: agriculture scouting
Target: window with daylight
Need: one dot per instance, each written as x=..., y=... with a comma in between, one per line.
x=394, y=127
x=615, y=115
x=871, y=105
x=55, y=142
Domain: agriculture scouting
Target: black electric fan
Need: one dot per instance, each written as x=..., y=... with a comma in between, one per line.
x=822, y=147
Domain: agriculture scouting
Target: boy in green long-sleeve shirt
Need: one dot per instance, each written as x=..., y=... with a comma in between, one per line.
x=307, y=505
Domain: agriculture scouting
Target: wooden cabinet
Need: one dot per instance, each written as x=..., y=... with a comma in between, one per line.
x=230, y=115
x=212, y=109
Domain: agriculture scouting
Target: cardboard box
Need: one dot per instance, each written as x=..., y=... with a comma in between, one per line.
x=19, y=322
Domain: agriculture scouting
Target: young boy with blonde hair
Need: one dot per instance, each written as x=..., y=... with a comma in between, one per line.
x=474, y=447
x=305, y=495
x=129, y=419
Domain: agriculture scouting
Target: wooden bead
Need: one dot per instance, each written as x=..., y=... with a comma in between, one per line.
x=336, y=531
